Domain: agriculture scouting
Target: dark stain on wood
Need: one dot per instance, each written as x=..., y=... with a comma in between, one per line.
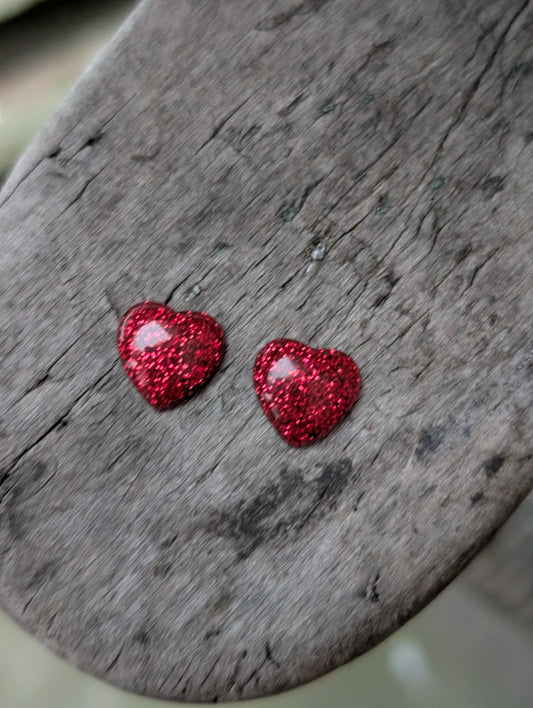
x=282, y=508
x=493, y=466
x=303, y=8
x=429, y=441
x=31, y=478
x=492, y=185
x=477, y=497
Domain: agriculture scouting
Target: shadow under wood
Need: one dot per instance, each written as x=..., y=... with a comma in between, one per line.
x=504, y=571
x=39, y=27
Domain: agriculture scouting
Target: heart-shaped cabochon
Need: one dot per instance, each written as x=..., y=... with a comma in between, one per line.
x=168, y=355
x=304, y=392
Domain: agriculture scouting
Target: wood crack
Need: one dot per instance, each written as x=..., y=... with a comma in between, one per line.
x=472, y=90
x=56, y=424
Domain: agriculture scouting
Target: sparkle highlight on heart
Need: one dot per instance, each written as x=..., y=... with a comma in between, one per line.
x=304, y=392
x=168, y=355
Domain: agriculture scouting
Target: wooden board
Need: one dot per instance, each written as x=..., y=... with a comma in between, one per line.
x=193, y=555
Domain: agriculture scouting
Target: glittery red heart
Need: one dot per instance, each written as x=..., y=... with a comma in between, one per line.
x=167, y=354
x=304, y=392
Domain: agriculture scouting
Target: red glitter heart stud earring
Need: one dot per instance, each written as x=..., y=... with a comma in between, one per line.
x=168, y=355
x=304, y=392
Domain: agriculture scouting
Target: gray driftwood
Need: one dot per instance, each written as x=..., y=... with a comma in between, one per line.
x=213, y=146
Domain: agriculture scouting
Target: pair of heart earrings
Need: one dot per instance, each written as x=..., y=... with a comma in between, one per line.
x=169, y=355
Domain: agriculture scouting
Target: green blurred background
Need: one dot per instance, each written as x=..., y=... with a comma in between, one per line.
x=461, y=652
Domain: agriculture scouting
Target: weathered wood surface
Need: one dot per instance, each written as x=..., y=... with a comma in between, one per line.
x=194, y=555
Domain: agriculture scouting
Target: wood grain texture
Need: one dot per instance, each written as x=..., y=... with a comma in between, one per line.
x=193, y=555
